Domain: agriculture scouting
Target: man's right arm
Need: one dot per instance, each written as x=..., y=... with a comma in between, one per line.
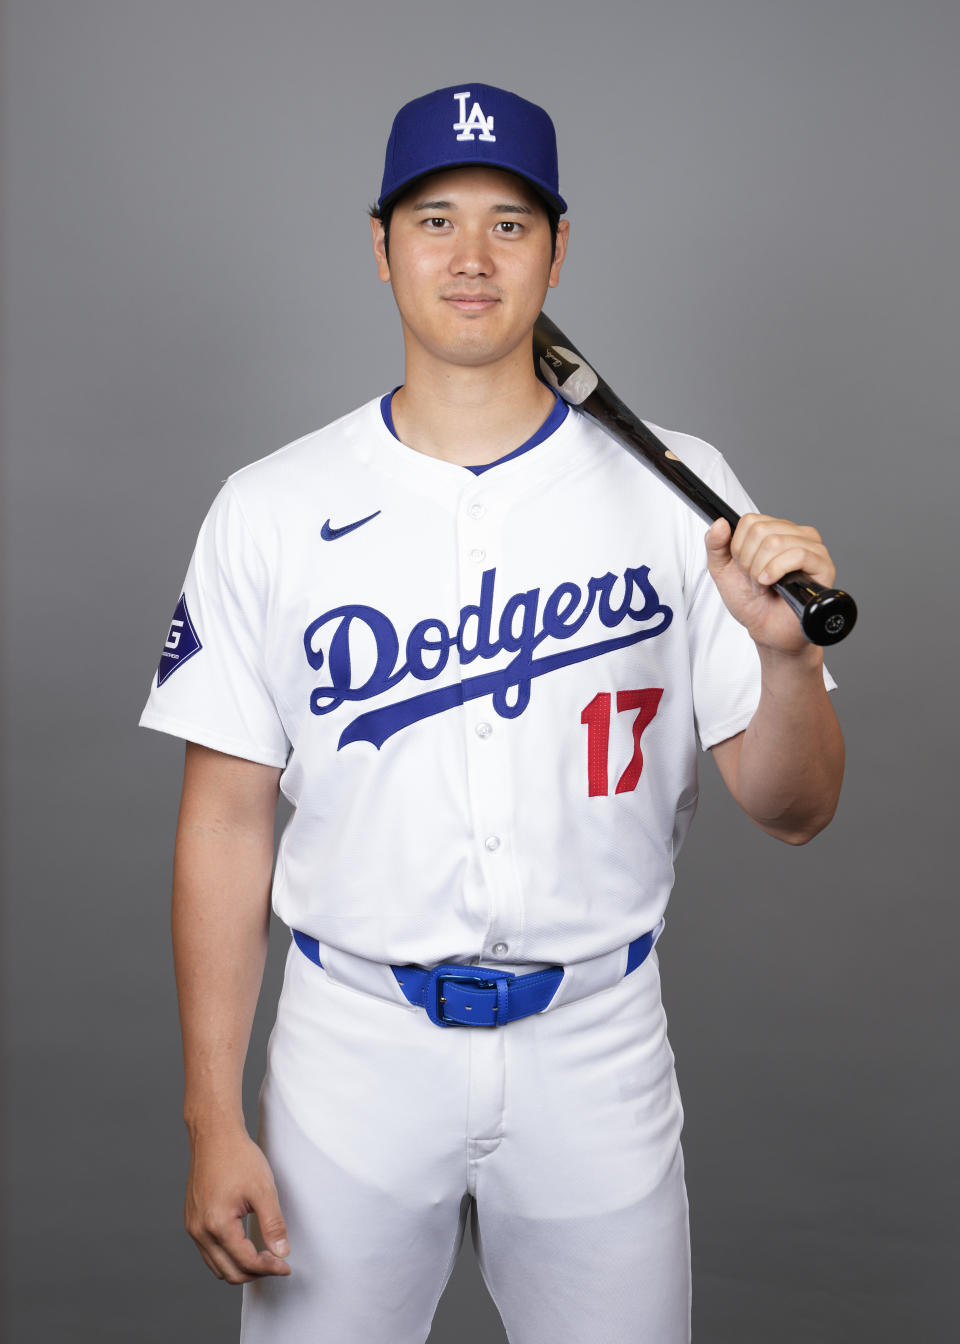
x=221, y=913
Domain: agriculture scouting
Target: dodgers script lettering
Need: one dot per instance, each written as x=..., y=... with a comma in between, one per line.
x=524, y=624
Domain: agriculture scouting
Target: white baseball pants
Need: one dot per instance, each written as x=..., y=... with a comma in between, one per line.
x=558, y=1133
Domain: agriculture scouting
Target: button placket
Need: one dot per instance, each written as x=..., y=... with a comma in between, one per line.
x=486, y=745
x=475, y=535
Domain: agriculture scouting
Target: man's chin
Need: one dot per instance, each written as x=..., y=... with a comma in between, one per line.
x=473, y=346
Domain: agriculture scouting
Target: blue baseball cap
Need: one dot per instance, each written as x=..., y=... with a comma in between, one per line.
x=471, y=124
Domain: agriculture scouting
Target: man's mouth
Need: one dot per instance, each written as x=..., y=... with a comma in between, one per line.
x=471, y=303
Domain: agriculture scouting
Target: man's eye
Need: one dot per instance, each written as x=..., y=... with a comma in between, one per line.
x=436, y=222
x=508, y=226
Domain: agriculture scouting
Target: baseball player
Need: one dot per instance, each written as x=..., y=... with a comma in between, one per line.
x=477, y=646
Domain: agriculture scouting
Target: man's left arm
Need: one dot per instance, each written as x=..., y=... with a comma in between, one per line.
x=786, y=767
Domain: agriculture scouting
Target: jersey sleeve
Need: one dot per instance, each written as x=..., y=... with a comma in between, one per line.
x=211, y=685
x=724, y=663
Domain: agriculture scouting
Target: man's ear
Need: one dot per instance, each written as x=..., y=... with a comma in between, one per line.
x=379, y=248
x=563, y=235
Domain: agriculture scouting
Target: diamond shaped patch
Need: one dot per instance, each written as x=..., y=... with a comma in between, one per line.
x=182, y=642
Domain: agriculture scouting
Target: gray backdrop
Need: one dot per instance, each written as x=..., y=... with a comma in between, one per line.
x=764, y=198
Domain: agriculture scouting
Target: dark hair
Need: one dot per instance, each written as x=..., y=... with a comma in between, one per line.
x=385, y=215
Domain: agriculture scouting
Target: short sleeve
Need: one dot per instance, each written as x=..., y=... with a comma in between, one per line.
x=211, y=685
x=724, y=663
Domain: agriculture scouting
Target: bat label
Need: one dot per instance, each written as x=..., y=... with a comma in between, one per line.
x=568, y=373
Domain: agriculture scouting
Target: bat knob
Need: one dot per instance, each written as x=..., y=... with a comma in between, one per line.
x=829, y=617
x=826, y=615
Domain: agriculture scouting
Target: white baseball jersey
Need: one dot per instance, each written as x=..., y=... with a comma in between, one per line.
x=486, y=690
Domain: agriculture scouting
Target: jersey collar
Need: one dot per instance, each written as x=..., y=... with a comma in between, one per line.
x=553, y=422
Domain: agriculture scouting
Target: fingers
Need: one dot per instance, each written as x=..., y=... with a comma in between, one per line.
x=211, y=1263
x=767, y=548
x=251, y=1261
x=230, y=1254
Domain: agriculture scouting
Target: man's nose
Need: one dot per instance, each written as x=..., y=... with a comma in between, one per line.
x=471, y=256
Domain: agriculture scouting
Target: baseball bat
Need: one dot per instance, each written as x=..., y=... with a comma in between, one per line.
x=826, y=615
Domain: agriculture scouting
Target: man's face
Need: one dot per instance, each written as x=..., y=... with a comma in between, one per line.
x=471, y=260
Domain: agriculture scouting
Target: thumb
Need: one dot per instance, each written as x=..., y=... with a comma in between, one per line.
x=717, y=541
x=273, y=1230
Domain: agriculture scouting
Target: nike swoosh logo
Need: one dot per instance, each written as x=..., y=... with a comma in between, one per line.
x=331, y=533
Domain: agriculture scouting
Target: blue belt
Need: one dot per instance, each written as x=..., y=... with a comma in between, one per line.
x=455, y=995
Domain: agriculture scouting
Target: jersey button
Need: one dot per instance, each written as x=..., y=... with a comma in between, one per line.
x=492, y=843
x=483, y=730
x=476, y=510
x=500, y=949
x=478, y=556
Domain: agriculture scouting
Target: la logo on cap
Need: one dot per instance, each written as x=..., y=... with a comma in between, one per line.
x=475, y=122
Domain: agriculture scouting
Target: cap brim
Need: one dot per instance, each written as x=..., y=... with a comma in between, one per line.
x=555, y=202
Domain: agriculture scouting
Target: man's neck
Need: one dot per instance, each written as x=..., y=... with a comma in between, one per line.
x=468, y=415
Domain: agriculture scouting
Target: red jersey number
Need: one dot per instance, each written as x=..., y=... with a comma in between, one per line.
x=596, y=716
